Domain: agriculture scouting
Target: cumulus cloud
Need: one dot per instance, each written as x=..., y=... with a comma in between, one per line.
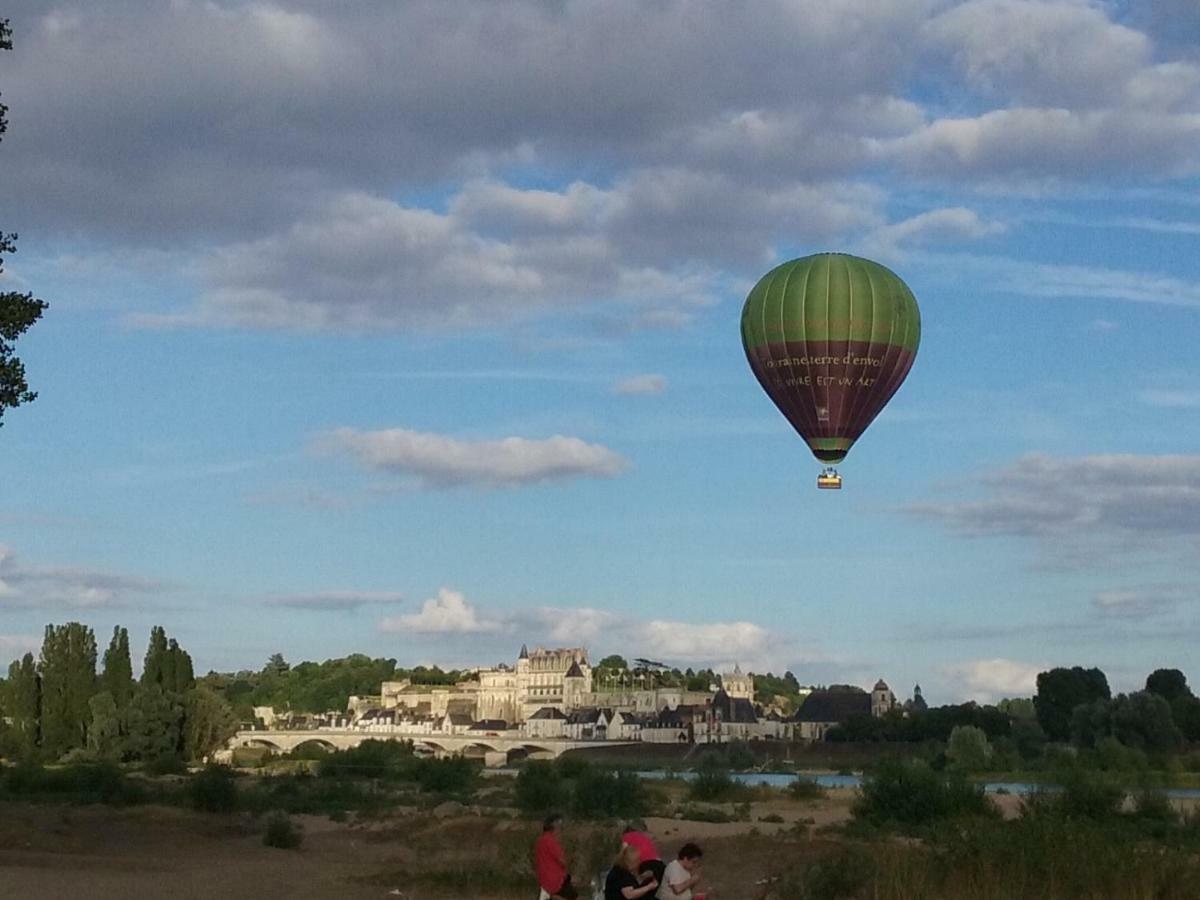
x=447, y=613
x=501, y=254
x=284, y=206
x=436, y=460
x=32, y=586
x=1034, y=52
x=337, y=601
x=718, y=644
x=641, y=384
x=989, y=680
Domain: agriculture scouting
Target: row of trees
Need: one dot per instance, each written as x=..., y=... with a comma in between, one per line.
x=1077, y=705
x=769, y=689
x=1072, y=706
x=59, y=706
x=311, y=687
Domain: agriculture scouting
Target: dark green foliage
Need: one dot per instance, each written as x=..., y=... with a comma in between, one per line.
x=805, y=789
x=25, y=704
x=588, y=791
x=282, y=832
x=540, y=789
x=67, y=668
x=604, y=794
x=1170, y=684
x=77, y=783
x=207, y=724
x=104, y=732
x=213, y=790
x=156, y=655
x=153, y=723
x=911, y=794
x=117, y=677
x=453, y=775
x=1080, y=794
x=167, y=665
x=314, y=687
x=713, y=785
x=1141, y=720
x=370, y=759
x=1060, y=690
x=840, y=876
x=933, y=724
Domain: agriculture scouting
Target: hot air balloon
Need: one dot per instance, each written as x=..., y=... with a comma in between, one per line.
x=830, y=337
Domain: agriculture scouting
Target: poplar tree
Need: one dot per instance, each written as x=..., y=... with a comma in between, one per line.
x=68, y=671
x=25, y=702
x=156, y=653
x=117, y=678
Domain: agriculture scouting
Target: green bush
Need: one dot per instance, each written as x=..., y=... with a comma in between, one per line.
x=540, y=788
x=371, y=759
x=604, y=795
x=715, y=786
x=1080, y=794
x=167, y=764
x=454, y=775
x=805, y=789
x=911, y=794
x=212, y=790
x=282, y=832
x=842, y=876
x=102, y=782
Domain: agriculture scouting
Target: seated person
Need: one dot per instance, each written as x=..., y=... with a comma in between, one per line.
x=635, y=836
x=623, y=881
x=682, y=875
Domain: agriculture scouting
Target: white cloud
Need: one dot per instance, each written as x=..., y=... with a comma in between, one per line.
x=334, y=600
x=641, y=384
x=935, y=225
x=989, y=680
x=717, y=644
x=441, y=461
x=1041, y=53
x=702, y=642
x=1051, y=142
x=447, y=613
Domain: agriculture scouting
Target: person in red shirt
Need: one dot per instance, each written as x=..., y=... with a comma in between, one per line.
x=635, y=836
x=550, y=863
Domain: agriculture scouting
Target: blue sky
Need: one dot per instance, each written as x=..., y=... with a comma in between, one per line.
x=414, y=331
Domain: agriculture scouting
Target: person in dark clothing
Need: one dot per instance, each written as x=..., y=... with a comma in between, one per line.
x=623, y=881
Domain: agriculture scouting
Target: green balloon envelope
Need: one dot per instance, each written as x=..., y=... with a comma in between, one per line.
x=831, y=338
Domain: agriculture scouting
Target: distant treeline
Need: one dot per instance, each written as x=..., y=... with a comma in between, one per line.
x=1072, y=707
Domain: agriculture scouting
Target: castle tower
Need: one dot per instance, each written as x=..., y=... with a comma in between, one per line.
x=738, y=685
x=574, y=685
x=882, y=699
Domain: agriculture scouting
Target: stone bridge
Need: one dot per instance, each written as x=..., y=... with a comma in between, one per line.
x=494, y=749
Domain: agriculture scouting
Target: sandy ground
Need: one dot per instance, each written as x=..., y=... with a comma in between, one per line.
x=101, y=853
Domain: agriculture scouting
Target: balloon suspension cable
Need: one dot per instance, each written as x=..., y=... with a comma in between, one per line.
x=829, y=479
